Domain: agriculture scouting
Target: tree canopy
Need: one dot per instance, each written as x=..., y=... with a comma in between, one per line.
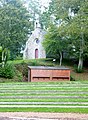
x=71, y=18
x=14, y=25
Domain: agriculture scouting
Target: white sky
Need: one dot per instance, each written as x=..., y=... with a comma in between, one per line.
x=45, y=2
x=42, y=2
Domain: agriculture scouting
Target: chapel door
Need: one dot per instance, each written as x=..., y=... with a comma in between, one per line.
x=36, y=53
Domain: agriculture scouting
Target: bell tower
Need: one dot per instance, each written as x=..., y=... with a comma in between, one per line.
x=37, y=24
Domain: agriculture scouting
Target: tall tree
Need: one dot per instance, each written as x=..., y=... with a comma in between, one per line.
x=14, y=25
x=54, y=43
x=35, y=10
x=78, y=28
x=73, y=15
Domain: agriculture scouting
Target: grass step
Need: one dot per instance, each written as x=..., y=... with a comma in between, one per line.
x=40, y=95
x=44, y=91
x=44, y=96
x=44, y=100
x=39, y=88
x=47, y=83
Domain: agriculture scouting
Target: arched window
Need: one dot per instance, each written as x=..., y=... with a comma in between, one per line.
x=37, y=40
x=36, y=53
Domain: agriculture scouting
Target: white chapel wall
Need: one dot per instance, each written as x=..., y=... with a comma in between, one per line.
x=31, y=45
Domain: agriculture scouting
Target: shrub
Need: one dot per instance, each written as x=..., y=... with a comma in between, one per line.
x=8, y=71
x=18, y=77
x=23, y=68
x=71, y=78
x=19, y=57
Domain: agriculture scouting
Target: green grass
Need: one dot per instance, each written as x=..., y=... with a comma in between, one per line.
x=34, y=62
x=29, y=89
x=44, y=100
x=60, y=110
x=66, y=89
x=30, y=94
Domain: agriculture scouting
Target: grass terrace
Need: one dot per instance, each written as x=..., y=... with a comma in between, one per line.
x=44, y=97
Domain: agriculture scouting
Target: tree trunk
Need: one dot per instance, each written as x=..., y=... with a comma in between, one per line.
x=60, y=58
x=80, y=64
x=3, y=62
x=4, y=57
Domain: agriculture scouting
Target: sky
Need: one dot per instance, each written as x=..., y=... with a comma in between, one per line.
x=45, y=2
x=42, y=2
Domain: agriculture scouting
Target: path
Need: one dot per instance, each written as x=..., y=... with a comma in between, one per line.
x=41, y=116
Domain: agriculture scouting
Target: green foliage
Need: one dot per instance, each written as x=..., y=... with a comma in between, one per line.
x=0, y=54
x=55, y=43
x=18, y=76
x=0, y=57
x=71, y=78
x=45, y=19
x=73, y=30
x=34, y=9
x=8, y=71
x=0, y=48
x=19, y=57
x=14, y=25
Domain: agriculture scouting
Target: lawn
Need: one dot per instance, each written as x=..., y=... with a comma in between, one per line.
x=44, y=97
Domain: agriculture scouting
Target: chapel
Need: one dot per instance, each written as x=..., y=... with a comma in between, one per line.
x=34, y=48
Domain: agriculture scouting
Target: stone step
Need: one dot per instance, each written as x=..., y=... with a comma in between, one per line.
x=24, y=118
x=23, y=87
x=43, y=103
x=42, y=97
x=40, y=106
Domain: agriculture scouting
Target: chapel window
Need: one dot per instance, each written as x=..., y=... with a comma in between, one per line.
x=37, y=40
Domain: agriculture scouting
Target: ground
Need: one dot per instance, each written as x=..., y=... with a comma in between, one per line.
x=42, y=116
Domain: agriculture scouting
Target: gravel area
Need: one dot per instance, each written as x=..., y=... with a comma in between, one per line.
x=41, y=116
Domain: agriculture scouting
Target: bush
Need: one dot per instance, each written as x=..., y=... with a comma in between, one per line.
x=18, y=77
x=23, y=68
x=8, y=71
x=71, y=78
x=19, y=57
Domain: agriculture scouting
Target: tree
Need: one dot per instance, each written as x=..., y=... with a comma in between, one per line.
x=35, y=10
x=14, y=25
x=73, y=16
x=54, y=43
x=45, y=19
x=77, y=29
x=0, y=54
